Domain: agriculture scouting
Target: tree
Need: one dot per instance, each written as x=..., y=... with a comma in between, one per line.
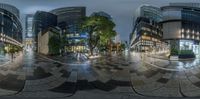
x=54, y=44
x=123, y=46
x=174, y=51
x=11, y=49
x=63, y=42
x=98, y=28
x=106, y=39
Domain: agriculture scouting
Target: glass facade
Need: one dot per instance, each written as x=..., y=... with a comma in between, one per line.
x=29, y=37
x=147, y=33
x=184, y=25
x=189, y=45
x=69, y=20
x=10, y=25
x=28, y=26
x=190, y=24
x=101, y=13
x=151, y=12
x=10, y=8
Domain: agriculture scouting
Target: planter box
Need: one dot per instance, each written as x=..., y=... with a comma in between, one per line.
x=174, y=57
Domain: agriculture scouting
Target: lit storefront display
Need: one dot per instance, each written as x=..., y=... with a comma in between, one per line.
x=189, y=45
x=181, y=26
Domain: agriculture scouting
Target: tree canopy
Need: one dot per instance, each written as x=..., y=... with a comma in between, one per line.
x=99, y=29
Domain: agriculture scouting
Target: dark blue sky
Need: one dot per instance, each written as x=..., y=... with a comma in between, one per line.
x=122, y=11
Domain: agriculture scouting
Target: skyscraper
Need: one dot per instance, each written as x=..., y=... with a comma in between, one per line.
x=42, y=21
x=147, y=31
x=28, y=26
x=29, y=37
x=69, y=20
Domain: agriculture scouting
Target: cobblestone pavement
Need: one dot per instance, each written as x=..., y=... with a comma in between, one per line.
x=121, y=76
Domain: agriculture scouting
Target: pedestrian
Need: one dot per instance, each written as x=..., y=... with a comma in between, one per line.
x=12, y=56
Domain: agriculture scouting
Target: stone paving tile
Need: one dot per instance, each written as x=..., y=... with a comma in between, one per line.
x=197, y=75
x=138, y=82
x=150, y=73
x=72, y=77
x=167, y=75
x=166, y=92
x=123, y=90
x=65, y=73
x=67, y=87
x=197, y=84
x=39, y=73
x=187, y=86
x=57, y=83
x=148, y=87
x=193, y=79
x=7, y=92
x=42, y=94
x=163, y=80
x=172, y=84
x=21, y=77
x=32, y=82
x=121, y=75
x=12, y=83
x=195, y=71
x=192, y=93
x=103, y=86
x=154, y=78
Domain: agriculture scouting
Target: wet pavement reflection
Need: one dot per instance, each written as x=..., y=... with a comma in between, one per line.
x=134, y=73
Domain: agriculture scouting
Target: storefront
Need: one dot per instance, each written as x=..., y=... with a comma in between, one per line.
x=189, y=45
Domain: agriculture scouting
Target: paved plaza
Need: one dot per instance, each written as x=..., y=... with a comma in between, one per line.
x=117, y=76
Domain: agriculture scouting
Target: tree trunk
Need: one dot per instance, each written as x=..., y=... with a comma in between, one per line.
x=91, y=51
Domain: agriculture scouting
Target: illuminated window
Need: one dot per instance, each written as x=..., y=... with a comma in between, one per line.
x=182, y=30
x=188, y=36
x=182, y=36
x=188, y=31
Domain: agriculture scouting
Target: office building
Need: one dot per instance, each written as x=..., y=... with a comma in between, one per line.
x=29, y=36
x=69, y=20
x=44, y=46
x=181, y=26
x=147, y=31
x=41, y=22
x=10, y=26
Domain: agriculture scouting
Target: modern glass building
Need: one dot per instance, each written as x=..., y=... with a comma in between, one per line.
x=10, y=26
x=102, y=13
x=69, y=20
x=28, y=26
x=29, y=37
x=181, y=26
x=147, y=32
x=12, y=9
x=41, y=22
